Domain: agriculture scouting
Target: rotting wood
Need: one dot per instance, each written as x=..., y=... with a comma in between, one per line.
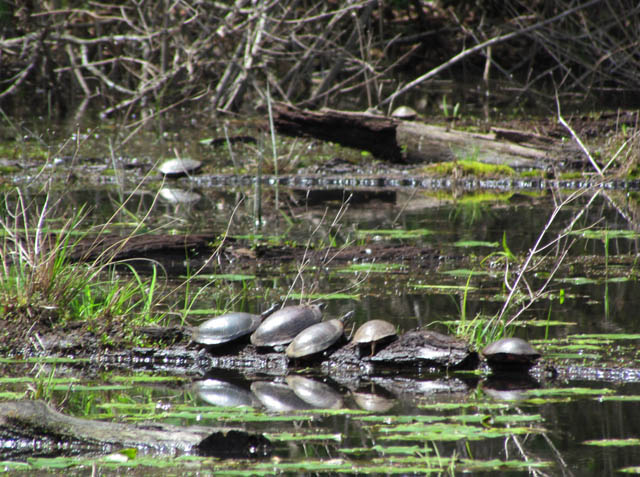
x=371, y=133
x=163, y=247
x=413, y=142
x=45, y=431
x=118, y=247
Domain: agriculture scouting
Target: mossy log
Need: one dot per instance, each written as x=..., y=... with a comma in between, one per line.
x=414, y=142
x=42, y=431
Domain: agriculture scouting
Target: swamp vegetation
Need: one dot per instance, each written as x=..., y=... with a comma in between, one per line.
x=108, y=263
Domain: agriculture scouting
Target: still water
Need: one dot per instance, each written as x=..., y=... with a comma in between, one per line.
x=416, y=421
x=401, y=421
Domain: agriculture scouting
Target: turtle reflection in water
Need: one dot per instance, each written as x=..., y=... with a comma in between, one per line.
x=511, y=355
x=223, y=394
x=278, y=397
x=316, y=393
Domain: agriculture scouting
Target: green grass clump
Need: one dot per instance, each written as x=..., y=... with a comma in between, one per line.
x=42, y=287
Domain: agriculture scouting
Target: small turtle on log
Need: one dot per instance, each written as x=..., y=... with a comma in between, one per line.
x=228, y=327
x=317, y=338
x=179, y=167
x=283, y=326
x=511, y=355
x=405, y=113
x=374, y=332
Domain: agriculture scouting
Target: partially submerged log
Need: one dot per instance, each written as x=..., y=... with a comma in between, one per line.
x=38, y=430
x=408, y=141
x=118, y=247
x=360, y=131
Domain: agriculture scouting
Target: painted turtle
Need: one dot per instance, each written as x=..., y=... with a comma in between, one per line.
x=510, y=354
x=405, y=113
x=317, y=338
x=282, y=326
x=228, y=327
x=374, y=332
x=179, y=167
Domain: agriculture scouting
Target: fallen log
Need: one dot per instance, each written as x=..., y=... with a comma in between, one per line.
x=400, y=141
x=35, y=429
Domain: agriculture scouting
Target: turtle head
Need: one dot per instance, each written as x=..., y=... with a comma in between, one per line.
x=271, y=309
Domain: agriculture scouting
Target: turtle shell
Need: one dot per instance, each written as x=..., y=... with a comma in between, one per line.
x=511, y=352
x=179, y=167
x=225, y=328
x=315, y=339
x=282, y=326
x=374, y=330
x=404, y=112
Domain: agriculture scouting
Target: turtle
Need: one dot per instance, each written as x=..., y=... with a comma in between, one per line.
x=228, y=327
x=374, y=332
x=179, y=167
x=510, y=354
x=317, y=338
x=405, y=113
x=283, y=325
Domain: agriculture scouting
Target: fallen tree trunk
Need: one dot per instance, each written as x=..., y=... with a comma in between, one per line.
x=413, y=142
x=42, y=431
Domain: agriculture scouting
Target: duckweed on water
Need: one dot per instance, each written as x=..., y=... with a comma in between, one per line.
x=324, y=296
x=231, y=277
x=572, y=392
x=374, y=267
x=475, y=243
x=613, y=442
x=394, y=233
